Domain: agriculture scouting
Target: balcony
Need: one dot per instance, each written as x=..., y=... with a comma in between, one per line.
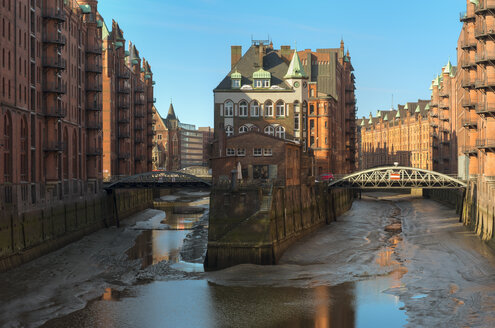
x=433, y=104
x=123, y=120
x=138, y=101
x=124, y=105
x=123, y=135
x=125, y=75
x=55, y=111
x=465, y=17
x=434, y=125
x=434, y=115
x=444, y=106
x=54, y=38
x=486, y=144
x=138, y=158
x=467, y=62
x=444, y=130
x=484, y=5
x=468, y=103
x=468, y=44
x=469, y=150
x=138, y=127
x=124, y=156
x=484, y=30
x=139, y=115
x=467, y=83
x=350, y=101
x=94, y=50
x=94, y=68
x=94, y=151
x=469, y=123
x=55, y=14
x=443, y=94
x=139, y=88
x=93, y=126
x=485, y=83
x=54, y=88
x=444, y=118
x=57, y=146
x=96, y=107
x=94, y=87
x=484, y=57
x=51, y=62
x=123, y=89
x=484, y=109
x=138, y=141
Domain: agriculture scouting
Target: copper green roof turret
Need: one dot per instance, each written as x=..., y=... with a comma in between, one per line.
x=436, y=81
x=370, y=121
x=295, y=70
x=105, y=33
x=134, y=54
x=476, y=2
x=418, y=110
x=386, y=117
x=362, y=121
x=448, y=68
x=427, y=107
x=406, y=106
x=262, y=74
x=398, y=114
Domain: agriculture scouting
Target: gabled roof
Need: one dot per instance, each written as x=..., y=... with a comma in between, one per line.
x=171, y=113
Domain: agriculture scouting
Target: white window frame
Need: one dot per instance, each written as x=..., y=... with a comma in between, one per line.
x=236, y=83
x=258, y=83
x=280, y=109
x=230, y=152
x=257, y=152
x=297, y=121
x=270, y=130
x=267, y=152
x=241, y=152
x=243, y=129
x=243, y=109
x=228, y=110
x=255, y=109
x=229, y=130
x=266, y=83
x=280, y=132
x=268, y=109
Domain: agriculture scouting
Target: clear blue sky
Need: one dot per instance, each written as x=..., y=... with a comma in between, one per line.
x=396, y=46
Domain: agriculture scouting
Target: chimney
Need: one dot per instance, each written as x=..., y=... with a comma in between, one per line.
x=236, y=54
x=261, y=54
x=285, y=52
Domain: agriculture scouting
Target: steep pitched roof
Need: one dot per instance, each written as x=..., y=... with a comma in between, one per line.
x=171, y=113
x=249, y=63
x=295, y=71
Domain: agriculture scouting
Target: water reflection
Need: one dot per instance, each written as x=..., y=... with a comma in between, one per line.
x=197, y=303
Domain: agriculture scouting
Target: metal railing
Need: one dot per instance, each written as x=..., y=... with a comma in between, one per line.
x=54, y=87
x=55, y=111
x=94, y=68
x=468, y=149
x=54, y=13
x=469, y=123
x=55, y=38
x=54, y=62
x=485, y=108
x=485, y=143
x=55, y=146
x=94, y=151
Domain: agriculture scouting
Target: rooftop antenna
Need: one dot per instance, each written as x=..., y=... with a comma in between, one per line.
x=392, y=101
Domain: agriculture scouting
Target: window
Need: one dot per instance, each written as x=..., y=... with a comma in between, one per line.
x=257, y=152
x=326, y=141
x=269, y=109
x=159, y=137
x=255, y=109
x=229, y=109
x=280, y=132
x=236, y=83
x=243, y=129
x=296, y=121
x=311, y=109
x=267, y=152
x=243, y=109
x=258, y=84
x=266, y=83
x=230, y=152
x=311, y=124
x=311, y=141
x=311, y=92
x=241, y=152
x=326, y=125
x=270, y=130
x=280, y=108
x=229, y=130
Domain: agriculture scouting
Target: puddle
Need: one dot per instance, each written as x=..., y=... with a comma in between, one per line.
x=154, y=246
x=419, y=296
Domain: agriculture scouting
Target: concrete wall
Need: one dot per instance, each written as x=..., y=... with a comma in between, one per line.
x=256, y=225
x=29, y=235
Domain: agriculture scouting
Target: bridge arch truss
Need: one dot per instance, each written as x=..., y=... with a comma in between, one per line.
x=399, y=177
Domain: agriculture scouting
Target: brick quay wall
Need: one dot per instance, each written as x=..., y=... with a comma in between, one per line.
x=26, y=236
x=257, y=224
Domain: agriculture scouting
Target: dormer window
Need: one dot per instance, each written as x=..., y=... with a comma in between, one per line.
x=261, y=79
x=236, y=80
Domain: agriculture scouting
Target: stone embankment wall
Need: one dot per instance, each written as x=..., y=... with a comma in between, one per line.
x=450, y=197
x=257, y=224
x=29, y=235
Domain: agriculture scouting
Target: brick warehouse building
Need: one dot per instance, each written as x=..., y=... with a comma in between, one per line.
x=268, y=91
x=50, y=141
x=127, y=107
x=51, y=100
x=331, y=109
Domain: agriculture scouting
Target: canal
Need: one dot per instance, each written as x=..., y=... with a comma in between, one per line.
x=391, y=261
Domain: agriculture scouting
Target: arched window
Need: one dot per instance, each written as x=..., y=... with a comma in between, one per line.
x=74, y=155
x=243, y=109
x=243, y=129
x=229, y=109
x=269, y=130
x=255, y=109
x=229, y=130
x=24, y=149
x=280, y=109
x=7, y=146
x=280, y=132
x=254, y=128
x=268, y=109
